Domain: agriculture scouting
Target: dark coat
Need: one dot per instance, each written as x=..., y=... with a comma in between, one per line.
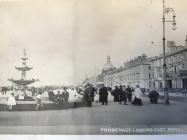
x=93, y=90
x=153, y=95
x=129, y=94
x=116, y=94
x=103, y=94
x=87, y=94
x=123, y=95
x=58, y=98
x=129, y=90
x=51, y=96
x=65, y=96
x=137, y=101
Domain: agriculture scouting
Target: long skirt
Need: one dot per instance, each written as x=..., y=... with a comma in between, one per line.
x=137, y=101
x=153, y=100
x=11, y=101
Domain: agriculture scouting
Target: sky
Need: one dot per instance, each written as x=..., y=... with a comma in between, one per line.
x=67, y=40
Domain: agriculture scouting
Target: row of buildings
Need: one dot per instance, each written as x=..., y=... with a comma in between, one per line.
x=148, y=72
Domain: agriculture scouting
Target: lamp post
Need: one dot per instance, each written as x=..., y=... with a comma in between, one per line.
x=166, y=10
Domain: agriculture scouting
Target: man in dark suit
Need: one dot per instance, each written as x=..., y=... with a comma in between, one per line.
x=103, y=95
x=88, y=95
x=116, y=94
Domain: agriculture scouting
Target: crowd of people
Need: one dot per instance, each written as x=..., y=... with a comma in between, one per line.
x=59, y=97
x=122, y=94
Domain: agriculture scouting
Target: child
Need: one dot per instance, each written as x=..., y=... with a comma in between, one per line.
x=11, y=101
x=38, y=101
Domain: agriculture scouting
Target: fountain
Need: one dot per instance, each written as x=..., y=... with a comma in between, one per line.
x=22, y=84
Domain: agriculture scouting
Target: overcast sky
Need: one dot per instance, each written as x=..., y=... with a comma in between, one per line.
x=69, y=39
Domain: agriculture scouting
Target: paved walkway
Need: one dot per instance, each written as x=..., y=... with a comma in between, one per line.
x=85, y=120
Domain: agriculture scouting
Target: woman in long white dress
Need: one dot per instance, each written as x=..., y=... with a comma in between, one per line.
x=138, y=96
x=11, y=101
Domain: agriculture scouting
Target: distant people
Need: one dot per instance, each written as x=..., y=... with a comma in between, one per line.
x=65, y=97
x=103, y=95
x=65, y=94
x=138, y=96
x=129, y=94
x=51, y=96
x=87, y=95
x=11, y=101
x=58, y=97
x=120, y=94
x=109, y=89
x=4, y=89
x=116, y=94
x=81, y=91
x=93, y=93
x=123, y=95
x=38, y=101
x=78, y=90
x=153, y=95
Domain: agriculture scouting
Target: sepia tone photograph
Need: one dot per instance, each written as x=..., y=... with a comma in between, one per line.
x=93, y=67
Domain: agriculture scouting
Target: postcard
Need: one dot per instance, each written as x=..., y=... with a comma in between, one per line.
x=93, y=67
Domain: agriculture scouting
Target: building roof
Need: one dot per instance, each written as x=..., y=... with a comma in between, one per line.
x=140, y=60
x=108, y=65
x=177, y=51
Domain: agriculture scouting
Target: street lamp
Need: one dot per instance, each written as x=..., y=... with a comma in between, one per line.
x=166, y=10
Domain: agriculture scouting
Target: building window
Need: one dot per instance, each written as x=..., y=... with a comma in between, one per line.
x=161, y=86
x=149, y=67
x=153, y=84
x=176, y=70
x=182, y=66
